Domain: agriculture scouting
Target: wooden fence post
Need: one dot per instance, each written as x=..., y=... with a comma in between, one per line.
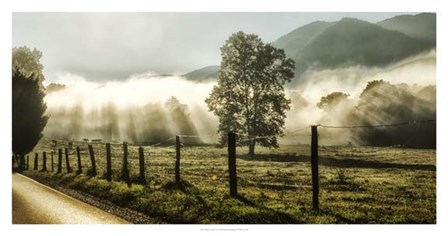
x=36, y=161
x=92, y=160
x=27, y=162
x=78, y=154
x=141, y=161
x=108, y=163
x=59, y=160
x=44, y=161
x=232, y=164
x=125, y=168
x=67, y=162
x=177, y=165
x=21, y=161
x=314, y=167
x=52, y=161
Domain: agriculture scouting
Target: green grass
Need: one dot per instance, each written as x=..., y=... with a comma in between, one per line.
x=358, y=184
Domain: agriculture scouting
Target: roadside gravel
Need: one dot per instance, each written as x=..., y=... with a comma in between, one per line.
x=132, y=216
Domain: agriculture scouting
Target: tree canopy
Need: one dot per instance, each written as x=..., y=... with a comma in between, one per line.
x=27, y=61
x=182, y=120
x=28, y=113
x=384, y=103
x=28, y=106
x=331, y=100
x=249, y=98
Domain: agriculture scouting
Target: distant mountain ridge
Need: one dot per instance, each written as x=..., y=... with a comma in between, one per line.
x=203, y=74
x=323, y=45
x=297, y=39
x=351, y=41
x=421, y=26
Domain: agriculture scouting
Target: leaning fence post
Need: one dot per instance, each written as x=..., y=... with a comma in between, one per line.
x=78, y=154
x=67, y=162
x=177, y=166
x=232, y=164
x=59, y=160
x=36, y=160
x=52, y=161
x=21, y=161
x=44, y=161
x=92, y=160
x=27, y=162
x=314, y=167
x=141, y=161
x=125, y=169
x=108, y=163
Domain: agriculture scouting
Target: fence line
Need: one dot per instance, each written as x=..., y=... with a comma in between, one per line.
x=232, y=138
x=301, y=129
x=377, y=126
x=296, y=135
x=257, y=137
x=188, y=136
x=160, y=143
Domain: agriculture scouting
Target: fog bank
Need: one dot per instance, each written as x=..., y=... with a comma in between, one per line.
x=149, y=109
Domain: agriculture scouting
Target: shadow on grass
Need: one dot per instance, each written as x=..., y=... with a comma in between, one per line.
x=245, y=200
x=337, y=162
x=17, y=170
x=340, y=218
x=287, y=157
x=284, y=218
x=183, y=186
x=356, y=163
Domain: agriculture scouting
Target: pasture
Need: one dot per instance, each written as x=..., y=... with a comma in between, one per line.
x=357, y=184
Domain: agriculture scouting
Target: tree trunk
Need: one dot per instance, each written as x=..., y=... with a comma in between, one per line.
x=251, y=147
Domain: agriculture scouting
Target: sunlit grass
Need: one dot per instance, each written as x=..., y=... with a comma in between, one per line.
x=358, y=184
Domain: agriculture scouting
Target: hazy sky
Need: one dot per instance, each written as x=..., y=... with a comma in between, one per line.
x=112, y=46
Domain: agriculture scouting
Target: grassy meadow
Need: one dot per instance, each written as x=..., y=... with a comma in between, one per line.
x=357, y=184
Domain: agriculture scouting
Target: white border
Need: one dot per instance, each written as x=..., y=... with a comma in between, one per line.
x=9, y=6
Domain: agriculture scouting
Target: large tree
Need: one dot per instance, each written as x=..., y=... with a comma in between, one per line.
x=249, y=98
x=28, y=106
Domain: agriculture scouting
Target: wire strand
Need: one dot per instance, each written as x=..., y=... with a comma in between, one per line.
x=377, y=126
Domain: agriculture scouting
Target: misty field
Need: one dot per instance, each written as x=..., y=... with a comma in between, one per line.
x=357, y=184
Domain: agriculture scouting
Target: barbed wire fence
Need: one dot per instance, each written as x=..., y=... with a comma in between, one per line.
x=413, y=122
x=232, y=139
x=314, y=148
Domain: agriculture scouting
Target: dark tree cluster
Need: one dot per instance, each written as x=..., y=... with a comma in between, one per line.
x=28, y=113
x=383, y=103
x=28, y=106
